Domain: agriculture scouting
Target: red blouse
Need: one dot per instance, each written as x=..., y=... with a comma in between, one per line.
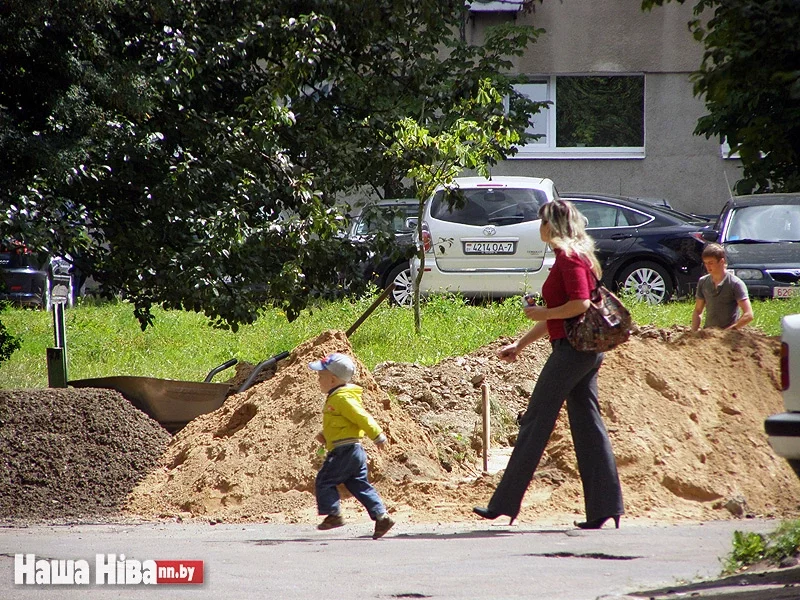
x=570, y=278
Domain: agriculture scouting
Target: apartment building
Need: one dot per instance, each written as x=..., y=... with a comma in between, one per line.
x=623, y=110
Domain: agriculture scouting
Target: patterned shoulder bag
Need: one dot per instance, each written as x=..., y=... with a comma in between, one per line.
x=605, y=325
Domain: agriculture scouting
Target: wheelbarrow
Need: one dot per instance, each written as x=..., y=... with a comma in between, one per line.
x=174, y=403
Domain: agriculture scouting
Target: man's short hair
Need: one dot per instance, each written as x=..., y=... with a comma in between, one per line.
x=714, y=251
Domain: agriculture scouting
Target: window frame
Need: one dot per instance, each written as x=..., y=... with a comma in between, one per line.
x=537, y=149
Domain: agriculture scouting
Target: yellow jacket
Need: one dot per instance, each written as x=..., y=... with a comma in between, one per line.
x=344, y=420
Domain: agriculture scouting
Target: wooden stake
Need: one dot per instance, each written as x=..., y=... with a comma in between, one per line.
x=372, y=307
x=486, y=425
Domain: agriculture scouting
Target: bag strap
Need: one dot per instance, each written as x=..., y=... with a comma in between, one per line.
x=597, y=282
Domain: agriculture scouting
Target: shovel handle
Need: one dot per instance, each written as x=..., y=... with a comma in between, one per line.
x=259, y=367
x=371, y=308
x=222, y=367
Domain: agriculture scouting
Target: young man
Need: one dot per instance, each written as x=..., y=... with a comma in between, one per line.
x=721, y=294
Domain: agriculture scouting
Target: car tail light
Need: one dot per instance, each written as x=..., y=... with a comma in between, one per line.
x=784, y=366
x=698, y=235
x=15, y=248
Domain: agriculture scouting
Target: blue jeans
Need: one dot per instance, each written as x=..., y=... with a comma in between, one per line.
x=346, y=465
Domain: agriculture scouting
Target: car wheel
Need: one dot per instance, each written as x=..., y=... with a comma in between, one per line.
x=647, y=281
x=402, y=294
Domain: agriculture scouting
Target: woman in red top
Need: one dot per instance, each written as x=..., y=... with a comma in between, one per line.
x=568, y=375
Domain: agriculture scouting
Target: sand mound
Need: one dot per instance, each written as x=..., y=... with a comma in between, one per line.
x=688, y=424
x=256, y=458
x=686, y=419
x=685, y=413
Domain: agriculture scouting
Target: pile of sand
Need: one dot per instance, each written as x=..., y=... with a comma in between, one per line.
x=686, y=420
x=256, y=457
x=684, y=411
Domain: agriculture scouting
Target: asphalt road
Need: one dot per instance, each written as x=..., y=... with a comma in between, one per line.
x=465, y=560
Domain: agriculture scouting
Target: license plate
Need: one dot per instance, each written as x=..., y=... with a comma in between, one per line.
x=785, y=292
x=490, y=247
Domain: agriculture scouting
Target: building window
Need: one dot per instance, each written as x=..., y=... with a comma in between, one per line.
x=495, y=5
x=589, y=116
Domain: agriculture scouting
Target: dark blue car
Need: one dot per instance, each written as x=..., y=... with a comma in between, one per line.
x=390, y=266
x=24, y=278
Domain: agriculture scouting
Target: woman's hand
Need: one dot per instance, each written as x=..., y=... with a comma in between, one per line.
x=536, y=313
x=508, y=353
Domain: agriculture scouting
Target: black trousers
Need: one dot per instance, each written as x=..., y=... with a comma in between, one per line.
x=572, y=376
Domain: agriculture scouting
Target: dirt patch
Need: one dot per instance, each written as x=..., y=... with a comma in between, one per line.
x=685, y=415
x=69, y=454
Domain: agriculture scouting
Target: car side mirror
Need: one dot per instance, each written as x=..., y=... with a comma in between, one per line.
x=411, y=222
x=710, y=235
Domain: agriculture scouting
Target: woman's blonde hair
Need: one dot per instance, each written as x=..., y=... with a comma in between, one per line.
x=568, y=231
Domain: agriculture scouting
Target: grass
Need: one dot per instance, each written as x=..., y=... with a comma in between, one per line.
x=105, y=339
x=767, y=313
x=751, y=548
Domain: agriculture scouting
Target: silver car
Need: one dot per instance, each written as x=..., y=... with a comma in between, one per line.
x=481, y=237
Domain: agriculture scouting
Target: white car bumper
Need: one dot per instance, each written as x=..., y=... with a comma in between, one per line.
x=477, y=283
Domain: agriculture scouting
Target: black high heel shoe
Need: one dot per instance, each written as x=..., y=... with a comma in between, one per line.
x=597, y=523
x=489, y=514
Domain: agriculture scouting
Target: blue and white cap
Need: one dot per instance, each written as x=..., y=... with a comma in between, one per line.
x=340, y=365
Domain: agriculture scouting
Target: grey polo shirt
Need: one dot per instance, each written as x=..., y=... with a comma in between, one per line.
x=722, y=308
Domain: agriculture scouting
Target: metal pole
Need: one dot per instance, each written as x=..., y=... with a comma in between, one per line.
x=56, y=373
x=61, y=330
x=57, y=357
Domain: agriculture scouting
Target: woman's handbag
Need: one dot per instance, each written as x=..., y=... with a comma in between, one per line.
x=605, y=325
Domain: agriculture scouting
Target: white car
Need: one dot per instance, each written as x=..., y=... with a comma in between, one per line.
x=481, y=237
x=784, y=429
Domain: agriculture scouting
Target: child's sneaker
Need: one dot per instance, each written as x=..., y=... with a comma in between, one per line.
x=382, y=525
x=332, y=521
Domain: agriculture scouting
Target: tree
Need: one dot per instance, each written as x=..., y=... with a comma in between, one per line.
x=436, y=160
x=750, y=78
x=190, y=157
